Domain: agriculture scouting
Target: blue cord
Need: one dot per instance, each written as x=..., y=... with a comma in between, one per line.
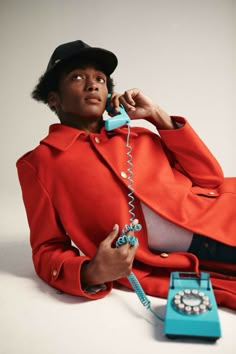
x=123, y=239
x=141, y=294
x=132, y=240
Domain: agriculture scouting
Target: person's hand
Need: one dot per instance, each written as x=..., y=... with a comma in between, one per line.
x=139, y=106
x=109, y=263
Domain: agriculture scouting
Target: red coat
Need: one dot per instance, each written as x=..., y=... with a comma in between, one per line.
x=73, y=189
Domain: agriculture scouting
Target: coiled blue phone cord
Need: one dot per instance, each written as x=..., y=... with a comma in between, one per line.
x=132, y=240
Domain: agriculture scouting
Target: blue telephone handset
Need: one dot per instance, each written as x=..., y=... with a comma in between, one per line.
x=118, y=119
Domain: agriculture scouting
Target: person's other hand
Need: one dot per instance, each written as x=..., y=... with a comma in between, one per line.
x=109, y=263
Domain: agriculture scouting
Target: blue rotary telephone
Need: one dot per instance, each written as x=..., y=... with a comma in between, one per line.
x=191, y=309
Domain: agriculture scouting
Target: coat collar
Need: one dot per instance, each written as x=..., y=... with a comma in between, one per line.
x=62, y=137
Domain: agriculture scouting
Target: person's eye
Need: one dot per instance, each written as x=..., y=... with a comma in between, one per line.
x=101, y=79
x=77, y=77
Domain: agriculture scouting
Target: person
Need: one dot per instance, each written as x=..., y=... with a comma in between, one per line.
x=77, y=188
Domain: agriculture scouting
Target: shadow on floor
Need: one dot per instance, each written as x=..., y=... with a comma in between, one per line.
x=15, y=257
x=16, y=260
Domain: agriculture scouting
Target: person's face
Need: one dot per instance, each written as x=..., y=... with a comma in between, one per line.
x=81, y=96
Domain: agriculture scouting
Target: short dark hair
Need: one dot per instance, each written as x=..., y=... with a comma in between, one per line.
x=50, y=82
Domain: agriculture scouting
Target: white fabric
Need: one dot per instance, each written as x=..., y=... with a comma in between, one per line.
x=163, y=235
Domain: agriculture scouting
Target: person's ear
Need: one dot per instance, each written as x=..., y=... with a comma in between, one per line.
x=53, y=100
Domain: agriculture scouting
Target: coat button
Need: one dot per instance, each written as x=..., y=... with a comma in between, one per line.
x=123, y=174
x=54, y=272
x=164, y=255
x=97, y=140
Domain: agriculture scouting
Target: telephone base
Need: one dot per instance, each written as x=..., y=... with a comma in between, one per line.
x=191, y=308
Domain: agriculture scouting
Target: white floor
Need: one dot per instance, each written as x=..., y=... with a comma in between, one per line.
x=35, y=319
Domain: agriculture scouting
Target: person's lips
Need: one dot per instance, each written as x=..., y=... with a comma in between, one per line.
x=93, y=98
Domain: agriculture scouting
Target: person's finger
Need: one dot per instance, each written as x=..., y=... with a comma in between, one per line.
x=115, y=101
x=112, y=235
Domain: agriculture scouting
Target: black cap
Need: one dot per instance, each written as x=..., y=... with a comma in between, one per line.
x=82, y=51
x=72, y=51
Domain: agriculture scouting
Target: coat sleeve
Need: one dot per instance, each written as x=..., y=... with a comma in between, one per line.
x=191, y=156
x=55, y=260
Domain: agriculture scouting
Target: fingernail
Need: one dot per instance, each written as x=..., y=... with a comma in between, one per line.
x=115, y=227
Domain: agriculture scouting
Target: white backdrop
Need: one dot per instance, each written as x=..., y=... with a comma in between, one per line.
x=179, y=52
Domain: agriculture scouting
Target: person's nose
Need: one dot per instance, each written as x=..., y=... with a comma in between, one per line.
x=91, y=85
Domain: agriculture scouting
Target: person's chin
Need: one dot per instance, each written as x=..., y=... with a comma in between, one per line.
x=94, y=113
